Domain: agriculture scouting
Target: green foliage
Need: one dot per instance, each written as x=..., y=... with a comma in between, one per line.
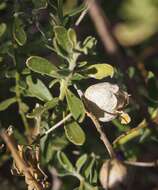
x=73, y=103
x=47, y=61
x=41, y=65
x=6, y=103
x=19, y=32
x=74, y=133
x=38, y=90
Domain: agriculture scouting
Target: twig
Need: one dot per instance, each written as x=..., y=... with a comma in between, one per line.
x=57, y=125
x=19, y=162
x=142, y=164
x=82, y=15
x=103, y=136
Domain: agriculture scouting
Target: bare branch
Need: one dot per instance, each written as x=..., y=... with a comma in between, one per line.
x=103, y=136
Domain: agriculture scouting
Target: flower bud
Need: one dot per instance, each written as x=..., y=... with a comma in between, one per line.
x=113, y=175
x=106, y=100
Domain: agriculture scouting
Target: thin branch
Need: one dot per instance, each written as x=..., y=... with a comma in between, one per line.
x=103, y=136
x=57, y=125
x=83, y=14
x=142, y=164
x=19, y=162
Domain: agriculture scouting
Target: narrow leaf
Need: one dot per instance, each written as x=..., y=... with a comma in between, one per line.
x=6, y=103
x=19, y=32
x=74, y=133
x=81, y=161
x=3, y=28
x=75, y=106
x=65, y=162
x=72, y=37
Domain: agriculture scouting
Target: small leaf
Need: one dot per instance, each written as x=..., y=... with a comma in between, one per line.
x=38, y=111
x=65, y=162
x=51, y=104
x=42, y=66
x=59, y=50
x=63, y=40
x=3, y=28
x=89, y=170
x=6, y=103
x=99, y=71
x=19, y=32
x=88, y=44
x=125, y=118
x=75, y=106
x=38, y=89
x=51, y=144
x=63, y=88
x=72, y=37
x=81, y=161
x=74, y=133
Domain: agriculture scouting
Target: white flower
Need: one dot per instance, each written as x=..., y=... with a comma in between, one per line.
x=106, y=101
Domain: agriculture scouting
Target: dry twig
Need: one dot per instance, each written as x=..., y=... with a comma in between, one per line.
x=103, y=136
x=24, y=167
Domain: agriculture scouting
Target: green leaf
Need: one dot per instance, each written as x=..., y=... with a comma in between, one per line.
x=38, y=89
x=99, y=71
x=81, y=161
x=62, y=38
x=75, y=106
x=74, y=133
x=59, y=50
x=72, y=37
x=63, y=89
x=51, y=144
x=60, y=10
x=51, y=104
x=65, y=162
x=38, y=111
x=88, y=44
x=19, y=32
x=88, y=172
x=6, y=103
x=3, y=28
x=42, y=66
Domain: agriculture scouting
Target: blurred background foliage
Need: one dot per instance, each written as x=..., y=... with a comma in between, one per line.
x=27, y=29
